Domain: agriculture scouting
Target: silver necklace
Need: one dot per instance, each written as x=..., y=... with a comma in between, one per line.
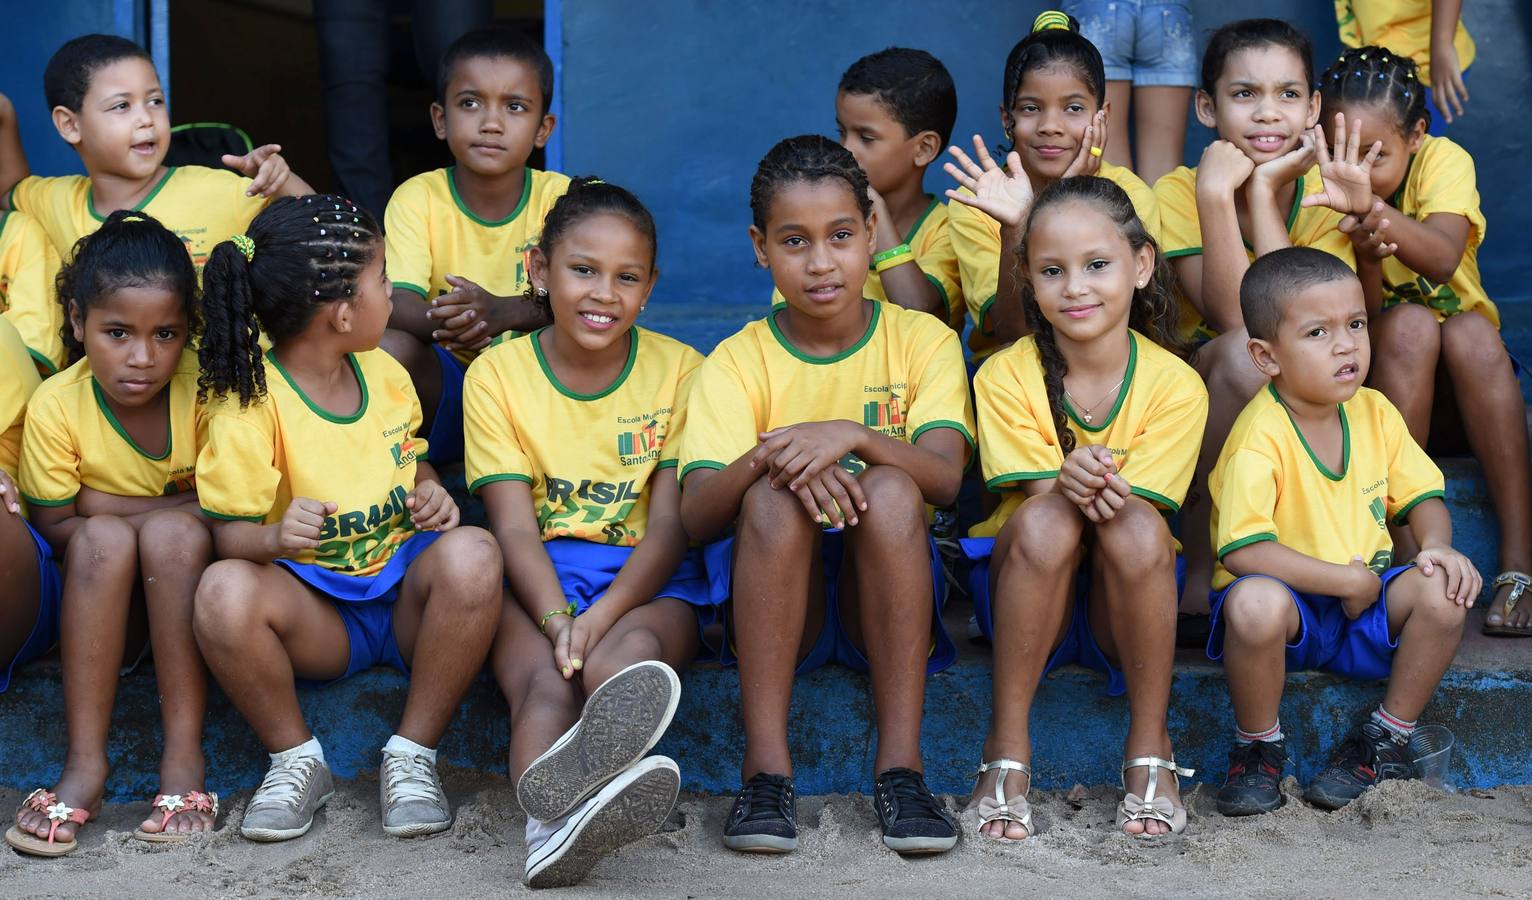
x=1085, y=411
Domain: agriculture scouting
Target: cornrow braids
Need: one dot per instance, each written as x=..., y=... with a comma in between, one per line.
x=806, y=158
x=1153, y=311
x=308, y=253
x=130, y=249
x=590, y=196
x=1379, y=77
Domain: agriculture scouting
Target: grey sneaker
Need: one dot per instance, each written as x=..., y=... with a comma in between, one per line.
x=631, y=806
x=623, y=719
x=412, y=797
x=284, y=805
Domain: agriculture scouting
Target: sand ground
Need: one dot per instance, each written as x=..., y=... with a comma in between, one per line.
x=1403, y=839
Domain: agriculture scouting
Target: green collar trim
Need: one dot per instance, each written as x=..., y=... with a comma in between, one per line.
x=627, y=368
x=1345, y=430
x=526, y=193
x=90, y=201
x=271, y=356
x=1122, y=395
x=111, y=418
x=872, y=327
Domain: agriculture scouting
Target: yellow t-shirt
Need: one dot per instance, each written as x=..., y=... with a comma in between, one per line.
x=903, y=378
x=28, y=267
x=202, y=206
x=1403, y=26
x=1153, y=430
x=1441, y=180
x=931, y=242
x=1269, y=486
x=587, y=457
x=73, y=439
x=18, y=381
x=976, y=239
x=1181, y=232
x=283, y=446
x=432, y=234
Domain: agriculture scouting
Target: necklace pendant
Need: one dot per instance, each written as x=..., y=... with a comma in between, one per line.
x=1086, y=417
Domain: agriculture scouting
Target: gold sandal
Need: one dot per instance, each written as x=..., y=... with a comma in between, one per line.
x=1000, y=809
x=1519, y=582
x=1151, y=806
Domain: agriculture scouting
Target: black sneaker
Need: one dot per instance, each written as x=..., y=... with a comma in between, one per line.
x=1253, y=783
x=765, y=816
x=913, y=820
x=1367, y=756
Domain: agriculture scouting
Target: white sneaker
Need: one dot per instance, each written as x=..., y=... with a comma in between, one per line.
x=623, y=719
x=633, y=805
x=284, y=805
x=413, y=801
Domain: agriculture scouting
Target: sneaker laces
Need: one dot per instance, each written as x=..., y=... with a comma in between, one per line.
x=912, y=799
x=285, y=782
x=1246, y=762
x=766, y=797
x=1355, y=753
x=409, y=777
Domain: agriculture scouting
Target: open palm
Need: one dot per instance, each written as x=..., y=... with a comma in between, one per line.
x=1347, y=179
x=1003, y=194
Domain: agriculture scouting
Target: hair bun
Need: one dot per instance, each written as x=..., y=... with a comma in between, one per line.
x=1051, y=19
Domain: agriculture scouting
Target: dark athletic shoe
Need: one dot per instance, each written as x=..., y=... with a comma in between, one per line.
x=765, y=816
x=1253, y=783
x=913, y=820
x=1368, y=756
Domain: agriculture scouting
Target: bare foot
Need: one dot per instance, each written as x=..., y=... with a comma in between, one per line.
x=80, y=787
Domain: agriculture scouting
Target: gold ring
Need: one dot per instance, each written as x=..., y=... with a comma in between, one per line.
x=1095, y=151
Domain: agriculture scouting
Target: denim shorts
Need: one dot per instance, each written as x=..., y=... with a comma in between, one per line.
x=1148, y=42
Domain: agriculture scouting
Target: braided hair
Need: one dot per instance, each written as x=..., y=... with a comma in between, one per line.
x=1153, y=311
x=1376, y=76
x=590, y=196
x=1055, y=41
x=304, y=253
x=130, y=249
x=806, y=158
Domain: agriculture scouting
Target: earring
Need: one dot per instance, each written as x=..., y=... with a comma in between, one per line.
x=644, y=307
x=1142, y=283
x=542, y=293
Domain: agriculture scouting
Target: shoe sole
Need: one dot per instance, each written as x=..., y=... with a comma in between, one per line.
x=760, y=843
x=1326, y=801
x=920, y=846
x=635, y=808
x=416, y=829
x=273, y=835
x=623, y=720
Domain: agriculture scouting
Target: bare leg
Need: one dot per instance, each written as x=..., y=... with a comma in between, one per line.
x=419, y=359
x=1260, y=619
x=1232, y=379
x=1119, y=147
x=174, y=548
x=1428, y=628
x=1489, y=397
x=1406, y=344
x=100, y=566
x=543, y=704
x=664, y=629
x=1159, y=135
x=18, y=572
x=1032, y=579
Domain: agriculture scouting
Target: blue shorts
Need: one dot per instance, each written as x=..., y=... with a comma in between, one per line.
x=366, y=604
x=1327, y=640
x=445, y=442
x=50, y=597
x=833, y=644
x=586, y=569
x=1079, y=643
x=1148, y=42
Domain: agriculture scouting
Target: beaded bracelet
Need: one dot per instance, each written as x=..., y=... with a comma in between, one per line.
x=569, y=611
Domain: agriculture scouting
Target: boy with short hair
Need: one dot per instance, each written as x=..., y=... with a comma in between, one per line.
x=108, y=104
x=894, y=110
x=457, y=237
x=1314, y=470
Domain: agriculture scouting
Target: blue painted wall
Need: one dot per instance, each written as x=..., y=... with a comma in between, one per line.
x=679, y=100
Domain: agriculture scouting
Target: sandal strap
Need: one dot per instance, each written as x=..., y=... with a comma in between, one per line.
x=1155, y=764
x=47, y=803
x=173, y=805
x=1520, y=582
x=1000, y=808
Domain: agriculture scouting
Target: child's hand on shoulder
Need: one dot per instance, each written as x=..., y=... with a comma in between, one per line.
x=1222, y=169
x=1462, y=582
x=431, y=507
x=796, y=452
x=465, y=315
x=265, y=167
x=1005, y=195
x=10, y=497
x=300, y=526
x=1347, y=175
x=1363, y=586
x=1369, y=234
x=1286, y=168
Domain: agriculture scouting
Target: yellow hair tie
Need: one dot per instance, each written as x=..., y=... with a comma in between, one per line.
x=245, y=245
x=1049, y=20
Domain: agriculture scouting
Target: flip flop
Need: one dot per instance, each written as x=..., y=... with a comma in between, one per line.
x=173, y=805
x=47, y=803
x=1519, y=582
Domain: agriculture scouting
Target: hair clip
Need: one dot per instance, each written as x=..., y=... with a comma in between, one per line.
x=343, y=254
x=356, y=234
x=337, y=206
x=321, y=232
x=329, y=254
x=356, y=220
x=348, y=292
x=1364, y=56
x=1049, y=20
x=321, y=276
x=316, y=293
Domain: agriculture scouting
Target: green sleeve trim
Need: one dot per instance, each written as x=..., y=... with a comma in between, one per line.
x=946, y=301
x=1000, y=481
x=1189, y=251
x=424, y=294
x=982, y=324
x=668, y=464
x=43, y=362
x=490, y=479
x=227, y=518
x=1230, y=547
x=1402, y=517
x=959, y=427
x=37, y=501
x=1152, y=497
x=700, y=464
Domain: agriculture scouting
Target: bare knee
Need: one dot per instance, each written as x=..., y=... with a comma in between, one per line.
x=1471, y=345
x=1042, y=534
x=468, y=572
x=1136, y=540
x=1429, y=604
x=102, y=541
x=772, y=517
x=1408, y=334
x=1257, y=611
x=174, y=537
x=227, y=607
x=895, y=508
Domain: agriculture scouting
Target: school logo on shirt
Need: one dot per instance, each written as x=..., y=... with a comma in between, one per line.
x=635, y=448
x=886, y=416
x=589, y=510
x=1379, y=512
x=1440, y=297
x=404, y=452
x=181, y=481
x=356, y=539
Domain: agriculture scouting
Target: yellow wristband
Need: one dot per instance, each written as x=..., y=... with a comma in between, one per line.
x=569, y=611
x=897, y=259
